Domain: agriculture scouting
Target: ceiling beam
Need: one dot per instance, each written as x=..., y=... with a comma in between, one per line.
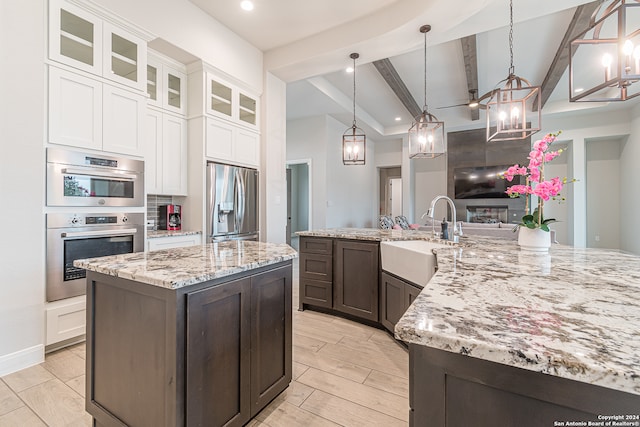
x=578, y=24
x=390, y=75
x=470, y=55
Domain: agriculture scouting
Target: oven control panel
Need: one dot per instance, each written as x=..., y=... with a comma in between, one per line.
x=93, y=220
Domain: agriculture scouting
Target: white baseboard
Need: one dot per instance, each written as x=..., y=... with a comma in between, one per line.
x=22, y=359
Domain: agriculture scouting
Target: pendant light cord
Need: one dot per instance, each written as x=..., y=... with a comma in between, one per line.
x=354, y=90
x=424, y=107
x=511, y=67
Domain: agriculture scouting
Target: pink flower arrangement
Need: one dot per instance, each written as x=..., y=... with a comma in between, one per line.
x=535, y=182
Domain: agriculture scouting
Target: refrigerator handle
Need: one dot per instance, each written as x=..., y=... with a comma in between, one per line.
x=240, y=200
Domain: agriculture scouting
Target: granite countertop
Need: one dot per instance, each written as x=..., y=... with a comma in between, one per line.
x=152, y=234
x=375, y=234
x=572, y=313
x=179, y=267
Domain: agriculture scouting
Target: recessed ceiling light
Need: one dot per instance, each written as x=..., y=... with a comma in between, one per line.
x=247, y=5
x=349, y=69
x=398, y=119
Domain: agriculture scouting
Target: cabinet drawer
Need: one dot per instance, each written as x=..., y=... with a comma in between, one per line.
x=316, y=292
x=312, y=245
x=317, y=267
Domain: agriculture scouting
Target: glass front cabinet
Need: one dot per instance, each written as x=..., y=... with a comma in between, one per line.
x=84, y=41
x=166, y=84
x=229, y=102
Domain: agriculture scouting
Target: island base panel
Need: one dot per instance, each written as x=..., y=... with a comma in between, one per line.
x=453, y=390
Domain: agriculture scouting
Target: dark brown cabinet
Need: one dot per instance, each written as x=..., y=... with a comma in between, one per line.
x=271, y=322
x=211, y=354
x=316, y=272
x=218, y=355
x=340, y=275
x=356, y=279
x=449, y=389
x=396, y=295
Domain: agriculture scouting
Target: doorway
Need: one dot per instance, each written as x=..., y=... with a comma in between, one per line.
x=390, y=191
x=298, y=199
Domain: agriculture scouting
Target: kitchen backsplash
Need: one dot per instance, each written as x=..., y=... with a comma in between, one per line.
x=153, y=201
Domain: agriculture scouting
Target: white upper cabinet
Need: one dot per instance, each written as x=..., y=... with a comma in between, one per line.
x=75, y=110
x=84, y=41
x=230, y=102
x=125, y=57
x=247, y=109
x=75, y=37
x=166, y=84
x=86, y=113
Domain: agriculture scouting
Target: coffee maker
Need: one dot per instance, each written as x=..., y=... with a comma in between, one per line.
x=170, y=217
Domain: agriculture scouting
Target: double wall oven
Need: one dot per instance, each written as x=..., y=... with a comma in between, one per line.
x=82, y=182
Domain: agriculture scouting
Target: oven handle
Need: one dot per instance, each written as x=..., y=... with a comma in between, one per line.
x=99, y=233
x=101, y=174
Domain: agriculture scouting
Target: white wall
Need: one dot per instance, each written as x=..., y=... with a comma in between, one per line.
x=388, y=153
x=351, y=190
x=603, y=194
x=299, y=197
x=22, y=80
x=307, y=139
x=558, y=209
x=630, y=188
x=430, y=181
x=342, y=196
x=186, y=26
x=273, y=180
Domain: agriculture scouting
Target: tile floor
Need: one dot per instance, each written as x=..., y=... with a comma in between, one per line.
x=344, y=374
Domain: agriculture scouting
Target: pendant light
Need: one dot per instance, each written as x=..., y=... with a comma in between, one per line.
x=513, y=110
x=605, y=59
x=354, y=140
x=426, y=135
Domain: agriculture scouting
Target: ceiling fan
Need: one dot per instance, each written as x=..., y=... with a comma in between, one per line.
x=473, y=101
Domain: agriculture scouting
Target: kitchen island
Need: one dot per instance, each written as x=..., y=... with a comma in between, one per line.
x=192, y=336
x=500, y=336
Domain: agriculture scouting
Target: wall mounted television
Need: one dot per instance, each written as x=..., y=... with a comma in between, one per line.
x=482, y=182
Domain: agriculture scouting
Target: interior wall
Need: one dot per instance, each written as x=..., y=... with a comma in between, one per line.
x=273, y=185
x=430, y=180
x=630, y=199
x=299, y=197
x=383, y=193
x=22, y=179
x=603, y=194
x=558, y=209
x=351, y=190
x=307, y=139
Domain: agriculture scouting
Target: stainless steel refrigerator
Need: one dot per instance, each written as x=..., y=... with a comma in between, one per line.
x=232, y=203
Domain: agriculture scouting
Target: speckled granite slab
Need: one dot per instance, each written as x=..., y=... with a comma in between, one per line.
x=175, y=268
x=152, y=234
x=373, y=234
x=573, y=313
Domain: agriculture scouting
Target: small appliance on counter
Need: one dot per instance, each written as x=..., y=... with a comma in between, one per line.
x=170, y=217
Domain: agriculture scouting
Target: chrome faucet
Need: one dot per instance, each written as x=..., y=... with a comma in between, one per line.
x=431, y=212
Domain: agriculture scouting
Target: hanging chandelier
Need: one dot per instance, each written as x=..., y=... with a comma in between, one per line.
x=354, y=140
x=513, y=109
x=426, y=135
x=605, y=59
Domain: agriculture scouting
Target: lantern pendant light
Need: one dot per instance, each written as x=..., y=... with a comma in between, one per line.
x=513, y=110
x=354, y=140
x=604, y=60
x=426, y=135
